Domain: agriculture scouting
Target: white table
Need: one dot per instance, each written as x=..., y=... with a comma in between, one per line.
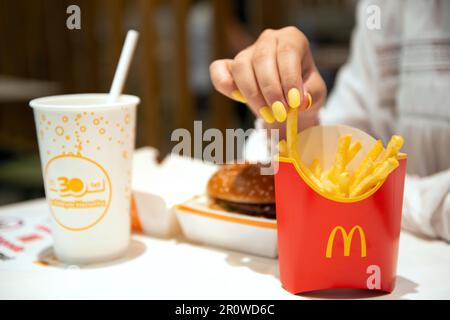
x=175, y=269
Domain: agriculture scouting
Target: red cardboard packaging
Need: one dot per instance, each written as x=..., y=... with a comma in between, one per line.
x=325, y=242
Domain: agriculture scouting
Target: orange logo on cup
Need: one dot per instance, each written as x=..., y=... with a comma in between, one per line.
x=347, y=240
x=80, y=197
x=75, y=187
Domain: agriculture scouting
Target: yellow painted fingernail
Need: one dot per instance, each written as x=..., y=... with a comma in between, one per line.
x=294, y=98
x=279, y=111
x=237, y=95
x=267, y=115
x=309, y=102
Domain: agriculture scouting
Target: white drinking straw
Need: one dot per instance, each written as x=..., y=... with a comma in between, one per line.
x=124, y=64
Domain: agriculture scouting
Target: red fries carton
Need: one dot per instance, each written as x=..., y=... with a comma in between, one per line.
x=326, y=242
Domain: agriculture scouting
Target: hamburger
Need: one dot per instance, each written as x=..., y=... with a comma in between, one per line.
x=243, y=189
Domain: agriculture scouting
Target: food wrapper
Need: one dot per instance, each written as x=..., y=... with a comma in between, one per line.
x=326, y=242
x=153, y=202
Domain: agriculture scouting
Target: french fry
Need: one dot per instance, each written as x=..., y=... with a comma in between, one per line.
x=291, y=137
x=378, y=175
x=330, y=187
x=316, y=168
x=291, y=132
x=340, y=162
x=372, y=155
x=352, y=151
x=366, y=169
x=282, y=148
x=343, y=144
x=344, y=182
x=326, y=174
x=388, y=166
x=327, y=183
x=375, y=151
x=311, y=176
x=393, y=147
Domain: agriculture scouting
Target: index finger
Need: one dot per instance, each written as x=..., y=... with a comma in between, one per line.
x=290, y=51
x=222, y=80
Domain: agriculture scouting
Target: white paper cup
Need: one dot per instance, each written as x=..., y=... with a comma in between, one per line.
x=86, y=145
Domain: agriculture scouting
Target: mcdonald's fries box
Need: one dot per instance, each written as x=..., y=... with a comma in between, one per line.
x=328, y=242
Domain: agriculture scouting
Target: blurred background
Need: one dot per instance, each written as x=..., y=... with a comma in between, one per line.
x=40, y=56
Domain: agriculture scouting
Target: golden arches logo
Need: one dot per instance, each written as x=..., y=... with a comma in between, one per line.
x=347, y=238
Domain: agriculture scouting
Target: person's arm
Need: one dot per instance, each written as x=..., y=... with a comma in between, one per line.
x=349, y=101
x=426, y=205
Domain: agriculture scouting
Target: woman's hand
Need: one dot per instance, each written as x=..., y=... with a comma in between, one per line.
x=275, y=72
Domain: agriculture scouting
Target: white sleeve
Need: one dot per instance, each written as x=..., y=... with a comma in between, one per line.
x=349, y=101
x=426, y=205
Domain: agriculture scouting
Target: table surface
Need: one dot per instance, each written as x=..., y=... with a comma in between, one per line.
x=175, y=269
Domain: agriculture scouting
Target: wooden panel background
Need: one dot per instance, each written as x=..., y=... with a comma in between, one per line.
x=35, y=44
